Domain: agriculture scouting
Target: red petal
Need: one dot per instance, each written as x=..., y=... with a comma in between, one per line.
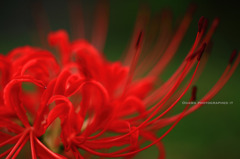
x=11, y=96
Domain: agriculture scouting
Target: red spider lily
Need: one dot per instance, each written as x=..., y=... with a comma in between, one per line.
x=100, y=104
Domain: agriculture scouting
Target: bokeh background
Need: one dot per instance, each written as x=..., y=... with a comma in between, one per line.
x=212, y=132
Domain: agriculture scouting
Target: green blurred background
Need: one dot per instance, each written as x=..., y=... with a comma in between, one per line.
x=212, y=132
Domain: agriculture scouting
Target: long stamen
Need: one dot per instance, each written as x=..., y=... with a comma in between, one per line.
x=202, y=24
x=152, y=57
x=211, y=31
x=32, y=146
x=20, y=148
x=17, y=144
x=215, y=89
x=166, y=111
x=172, y=87
x=164, y=122
x=167, y=96
x=134, y=60
x=141, y=21
x=173, y=46
x=200, y=70
x=156, y=95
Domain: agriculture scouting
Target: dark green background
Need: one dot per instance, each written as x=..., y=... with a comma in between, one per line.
x=212, y=132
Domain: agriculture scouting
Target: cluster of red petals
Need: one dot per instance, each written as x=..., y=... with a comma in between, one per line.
x=100, y=104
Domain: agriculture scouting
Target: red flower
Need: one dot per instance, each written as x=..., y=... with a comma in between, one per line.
x=100, y=104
